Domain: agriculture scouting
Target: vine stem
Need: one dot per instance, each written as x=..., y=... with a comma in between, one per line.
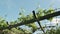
x=38, y=21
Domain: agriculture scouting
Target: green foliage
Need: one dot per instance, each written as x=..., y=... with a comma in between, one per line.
x=33, y=25
x=24, y=18
x=42, y=12
x=51, y=10
x=51, y=31
x=3, y=22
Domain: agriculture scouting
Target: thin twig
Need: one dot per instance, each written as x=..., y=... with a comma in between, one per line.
x=38, y=21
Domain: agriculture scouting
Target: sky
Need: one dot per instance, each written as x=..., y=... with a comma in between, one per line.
x=9, y=9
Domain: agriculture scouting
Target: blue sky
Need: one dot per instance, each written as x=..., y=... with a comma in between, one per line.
x=11, y=8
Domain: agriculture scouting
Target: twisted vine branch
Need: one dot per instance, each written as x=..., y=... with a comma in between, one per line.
x=32, y=20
